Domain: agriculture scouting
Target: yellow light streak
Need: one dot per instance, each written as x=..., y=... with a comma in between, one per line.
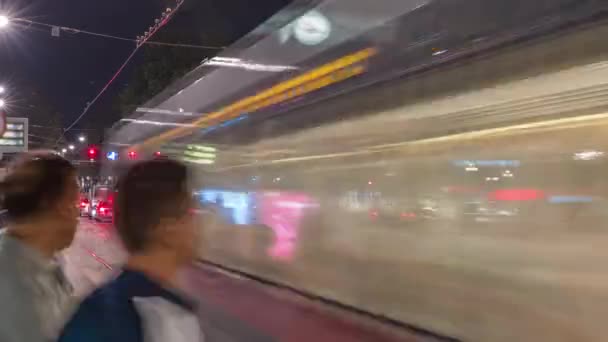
x=315, y=79
x=593, y=120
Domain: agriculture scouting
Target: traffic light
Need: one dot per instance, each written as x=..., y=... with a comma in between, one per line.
x=132, y=155
x=159, y=155
x=92, y=152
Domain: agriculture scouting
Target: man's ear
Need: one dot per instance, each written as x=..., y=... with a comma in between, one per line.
x=164, y=232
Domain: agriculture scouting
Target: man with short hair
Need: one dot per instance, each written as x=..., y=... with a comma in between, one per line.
x=154, y=219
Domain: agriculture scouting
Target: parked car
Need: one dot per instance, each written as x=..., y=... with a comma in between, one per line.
x=83, y=204
x=101, y=203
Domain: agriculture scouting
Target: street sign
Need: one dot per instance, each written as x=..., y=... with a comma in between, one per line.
x=14, y=139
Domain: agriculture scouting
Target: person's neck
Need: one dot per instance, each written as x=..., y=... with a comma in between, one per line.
x=31, y=235
x=158, y=266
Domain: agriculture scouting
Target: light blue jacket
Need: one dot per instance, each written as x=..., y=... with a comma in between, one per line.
x=34, y=295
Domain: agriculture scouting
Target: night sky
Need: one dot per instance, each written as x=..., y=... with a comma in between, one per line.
x=71, y=69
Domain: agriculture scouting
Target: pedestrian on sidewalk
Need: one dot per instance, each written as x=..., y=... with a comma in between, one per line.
x=155, y=221
x=39, y=195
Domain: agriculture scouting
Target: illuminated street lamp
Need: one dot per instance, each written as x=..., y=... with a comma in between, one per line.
x=4, y=21
x=2, y=89
x=82, y=138
x=64, y=150
x=71, y=147
x=2, y=103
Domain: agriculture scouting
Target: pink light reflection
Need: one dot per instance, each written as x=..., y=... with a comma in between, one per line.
x=283, y=213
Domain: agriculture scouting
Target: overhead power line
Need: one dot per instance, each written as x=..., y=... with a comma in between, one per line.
x=109, y=36
x=121, y=68
x=61, y=128
x=40, y=137
x=103, y=90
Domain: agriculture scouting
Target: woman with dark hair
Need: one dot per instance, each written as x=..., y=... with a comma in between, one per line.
x=40, y=194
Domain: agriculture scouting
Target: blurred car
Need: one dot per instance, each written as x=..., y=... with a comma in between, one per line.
x=83, y=205
x=104, y=210
x=403, y=214
x=101, y=203
x=484, y=212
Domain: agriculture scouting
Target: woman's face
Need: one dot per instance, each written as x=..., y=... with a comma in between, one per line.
x=66, y=213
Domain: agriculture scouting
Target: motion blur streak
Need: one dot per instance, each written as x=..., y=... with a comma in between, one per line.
x=458, y=187
x=241, y=106
x=537, y=127
x=157, y=123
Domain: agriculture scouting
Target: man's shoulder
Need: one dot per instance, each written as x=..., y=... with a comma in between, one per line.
x=104, y=303
x=105, y=313
x=99, y=301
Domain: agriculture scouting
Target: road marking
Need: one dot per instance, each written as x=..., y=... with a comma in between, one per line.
x=99, y=259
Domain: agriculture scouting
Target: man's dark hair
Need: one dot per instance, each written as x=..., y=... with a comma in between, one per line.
x=34, y=184
x=150, y=191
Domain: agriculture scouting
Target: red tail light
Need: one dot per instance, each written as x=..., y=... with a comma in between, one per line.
x=103, y=208
x=408, y=215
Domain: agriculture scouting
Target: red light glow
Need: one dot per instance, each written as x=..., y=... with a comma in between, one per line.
x=408, y=215
x=92, y=152
x=516, y=195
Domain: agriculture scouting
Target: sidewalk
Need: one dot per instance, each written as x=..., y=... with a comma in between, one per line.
x=285, y=316
x=88, y=262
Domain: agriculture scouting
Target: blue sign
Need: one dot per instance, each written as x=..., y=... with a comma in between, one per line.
x=225, y=124
x=112, y=155
x=570, y=199
x=235, y=207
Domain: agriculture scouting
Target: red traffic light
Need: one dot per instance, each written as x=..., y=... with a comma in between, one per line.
x=92, y=152
x=159, y=155
x=132, y=155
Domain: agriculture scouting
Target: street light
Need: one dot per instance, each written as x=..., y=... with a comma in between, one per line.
x=2, y=90
x=64, y=150
x=4, y=21
x=71, y=147
x=82, y=138
x=2, y=103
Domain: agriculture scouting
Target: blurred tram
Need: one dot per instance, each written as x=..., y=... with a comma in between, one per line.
x=466, y=194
